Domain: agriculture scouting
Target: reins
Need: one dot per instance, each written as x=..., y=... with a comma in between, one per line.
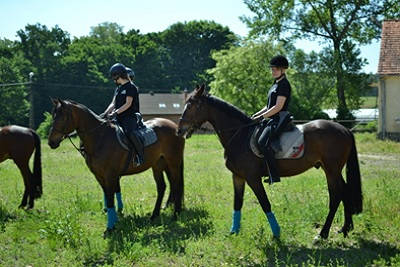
x=82, y=132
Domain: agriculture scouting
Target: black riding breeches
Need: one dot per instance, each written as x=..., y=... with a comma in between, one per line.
x=266, y=136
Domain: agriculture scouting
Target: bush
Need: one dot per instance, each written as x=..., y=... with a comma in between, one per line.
x=44, y=128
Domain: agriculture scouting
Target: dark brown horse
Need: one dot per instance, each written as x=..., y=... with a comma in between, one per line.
x=107, y=159
x=327, y=144
x=18, y=143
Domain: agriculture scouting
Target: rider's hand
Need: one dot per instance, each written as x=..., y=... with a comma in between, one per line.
x=112, y=115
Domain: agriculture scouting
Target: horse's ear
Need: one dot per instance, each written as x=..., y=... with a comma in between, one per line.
x=200, y=91
x=54, y=101
x=61, y=102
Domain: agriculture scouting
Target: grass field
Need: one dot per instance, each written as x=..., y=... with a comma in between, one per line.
x=67, y=224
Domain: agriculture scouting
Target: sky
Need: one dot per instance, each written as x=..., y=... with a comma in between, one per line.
x=78, y=16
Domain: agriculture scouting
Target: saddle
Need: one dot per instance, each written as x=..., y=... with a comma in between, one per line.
x=145, y=133
x=288, y=145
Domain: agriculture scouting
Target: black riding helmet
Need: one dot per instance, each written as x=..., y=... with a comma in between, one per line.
x=130, y=72
x=279, y=61
x=118, y=70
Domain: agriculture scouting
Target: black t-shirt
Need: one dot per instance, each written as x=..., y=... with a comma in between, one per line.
x=281, y=88
x=121, y=92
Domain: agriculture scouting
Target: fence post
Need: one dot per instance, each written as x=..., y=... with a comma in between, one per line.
x=31, y=101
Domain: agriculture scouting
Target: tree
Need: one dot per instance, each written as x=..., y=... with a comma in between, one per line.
x=188, y=46
x=242, y=76
x=336, y=21
x=13, y=104
x=43, y=48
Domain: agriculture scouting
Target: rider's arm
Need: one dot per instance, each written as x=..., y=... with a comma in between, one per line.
x=280, y=102
x=110, y=107
x=128, y=103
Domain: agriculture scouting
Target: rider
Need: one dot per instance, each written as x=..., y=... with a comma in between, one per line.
x=278, y=100
x=125, y=105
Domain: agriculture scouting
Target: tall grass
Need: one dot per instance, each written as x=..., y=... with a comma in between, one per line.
x=66, y=226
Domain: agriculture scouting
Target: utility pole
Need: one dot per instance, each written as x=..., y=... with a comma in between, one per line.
x=31, y=110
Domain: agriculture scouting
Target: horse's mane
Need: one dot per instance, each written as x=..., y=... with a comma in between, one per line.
x=227, y=107
x=82, y=107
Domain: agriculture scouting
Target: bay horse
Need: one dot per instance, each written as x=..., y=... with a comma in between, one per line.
x=327, y=144
x=18, y=143
x=107, y=159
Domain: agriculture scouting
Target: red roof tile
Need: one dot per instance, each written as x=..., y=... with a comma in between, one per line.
x=389, y=58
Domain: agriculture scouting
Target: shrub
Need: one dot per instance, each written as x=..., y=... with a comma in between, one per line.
x=44, y=128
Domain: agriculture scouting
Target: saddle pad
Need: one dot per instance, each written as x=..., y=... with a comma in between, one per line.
x=289, y=145
x=146, y=134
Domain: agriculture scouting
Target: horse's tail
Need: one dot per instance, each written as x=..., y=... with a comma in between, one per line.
x=354, y=180
x=37, y=167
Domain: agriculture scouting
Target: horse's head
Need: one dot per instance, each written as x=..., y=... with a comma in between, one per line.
x=194, y=113
x=63, y=123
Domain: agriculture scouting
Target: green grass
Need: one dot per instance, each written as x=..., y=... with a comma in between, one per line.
x=66, y=226
x=369, y=102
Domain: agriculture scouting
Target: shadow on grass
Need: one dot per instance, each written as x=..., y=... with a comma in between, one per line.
x=362, y=253
x=5, y=216
x=165, y=232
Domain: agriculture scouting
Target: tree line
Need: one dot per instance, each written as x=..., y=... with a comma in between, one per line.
x=196, y=52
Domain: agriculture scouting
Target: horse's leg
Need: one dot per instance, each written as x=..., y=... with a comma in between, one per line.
x=336, y=188
x=119, y=196
x=174, y=172
x=348, y=216
x=109, y=191
x=238, y=187
x=160, y=183
x=27, y=178
x=258, y=189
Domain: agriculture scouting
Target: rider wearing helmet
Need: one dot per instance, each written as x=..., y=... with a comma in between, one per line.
x=125, y=105
x=278, y=100
x=131, y=74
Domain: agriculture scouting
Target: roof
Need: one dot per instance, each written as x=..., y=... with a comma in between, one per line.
x=389, y=58
x=161, y=103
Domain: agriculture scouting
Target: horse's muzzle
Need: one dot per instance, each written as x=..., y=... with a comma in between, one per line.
x=53, y=144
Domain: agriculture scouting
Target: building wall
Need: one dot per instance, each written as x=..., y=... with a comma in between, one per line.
x=172, y=117
x=389, y=108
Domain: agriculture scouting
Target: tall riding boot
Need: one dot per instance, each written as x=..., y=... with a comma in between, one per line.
x=272, y=167
x=138, y=145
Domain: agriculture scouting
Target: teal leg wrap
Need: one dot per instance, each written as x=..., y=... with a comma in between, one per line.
x=119, y=201
x=111, y=218
x=276, y=230
x=236, y=221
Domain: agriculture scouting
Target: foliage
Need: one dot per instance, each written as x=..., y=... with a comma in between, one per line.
x=66, y=226
x=78, y=69
x=242, y=77
x=191, y=56
x=44, y=128
x=13, y=104
x=341, y=23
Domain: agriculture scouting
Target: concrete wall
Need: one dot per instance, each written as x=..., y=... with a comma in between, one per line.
x=389, y=106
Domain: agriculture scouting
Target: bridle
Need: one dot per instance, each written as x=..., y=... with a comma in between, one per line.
x=65, y=135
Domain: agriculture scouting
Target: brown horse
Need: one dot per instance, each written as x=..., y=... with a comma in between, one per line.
x=17, y=143
x=107, y=159
x=327, y=144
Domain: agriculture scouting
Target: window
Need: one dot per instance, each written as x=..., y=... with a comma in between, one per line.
x=162, y=105
x=176, y=105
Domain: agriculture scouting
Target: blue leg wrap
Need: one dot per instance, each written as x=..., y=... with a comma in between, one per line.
x=276, y=230
x=111, y=218
x=236, y=221
x=119, y=201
